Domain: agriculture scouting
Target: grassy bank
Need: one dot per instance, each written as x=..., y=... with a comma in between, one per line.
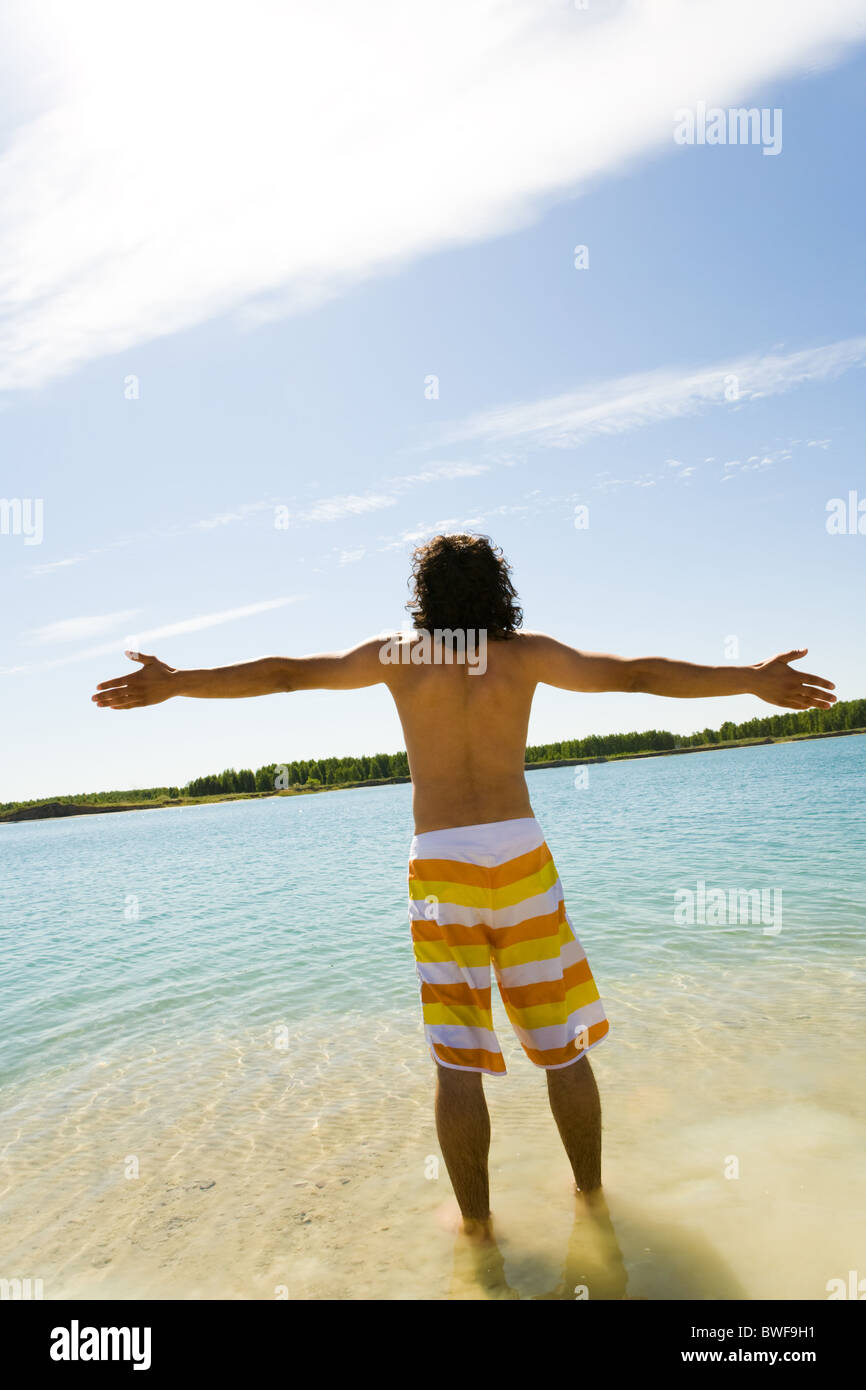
x=57, y=808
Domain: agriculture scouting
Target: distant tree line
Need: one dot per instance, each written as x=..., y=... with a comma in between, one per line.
x=847, y=714
x=315, y=772
x=309, y=774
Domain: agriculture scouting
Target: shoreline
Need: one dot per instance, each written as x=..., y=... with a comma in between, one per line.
x=58, y=810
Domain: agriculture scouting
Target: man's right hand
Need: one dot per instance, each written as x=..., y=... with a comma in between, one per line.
x=149, y=686
x=776, y=683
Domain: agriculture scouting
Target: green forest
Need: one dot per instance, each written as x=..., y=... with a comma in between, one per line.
x=312, y=774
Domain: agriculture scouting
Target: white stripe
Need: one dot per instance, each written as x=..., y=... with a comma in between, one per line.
x=540, y=905
x=448, y=972
x=533, y=972
x=560, y=1034
x=448, y=914
x=486, y=845
x=453, y=1035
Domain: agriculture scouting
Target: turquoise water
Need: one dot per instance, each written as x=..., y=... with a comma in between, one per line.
x=251, y=914
x=231, y=986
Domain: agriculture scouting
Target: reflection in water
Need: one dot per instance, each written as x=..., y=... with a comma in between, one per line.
x=594, y=1266
x=479, y=1271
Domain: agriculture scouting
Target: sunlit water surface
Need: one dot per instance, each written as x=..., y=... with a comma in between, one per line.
x=215, y=1082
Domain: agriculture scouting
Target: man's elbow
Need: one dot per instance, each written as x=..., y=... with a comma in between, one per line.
x=283, y=675
x=636, y=678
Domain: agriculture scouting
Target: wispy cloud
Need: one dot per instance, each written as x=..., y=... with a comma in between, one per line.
x=78, y=629
x=632, y=402
x=327, y=509
x=422, y=531
x=226, y=518
x=140, y=640
x=131, y=212
x=335, y=508
x=50, y=566
x=443, y=471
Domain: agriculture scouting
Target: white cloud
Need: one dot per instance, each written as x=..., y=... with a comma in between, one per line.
x=327, y=509
x=447, y=471
x=628, y=403
x=140, y=640
x=77, y=629
x=56, y=565
x=335, y=508
x=226, y=518
x=422, y=532
x=172, y=162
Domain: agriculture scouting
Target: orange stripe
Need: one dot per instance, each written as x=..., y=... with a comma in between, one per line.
x=448, y=871
x=476, y=875
x=476, y=1058
x=547, y=991
x=532, y=929
x=521, y=867
x=425, y=929
x=455, y=994
x=555, y=1056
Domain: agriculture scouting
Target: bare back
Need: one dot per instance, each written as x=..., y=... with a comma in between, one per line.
x=466, y=736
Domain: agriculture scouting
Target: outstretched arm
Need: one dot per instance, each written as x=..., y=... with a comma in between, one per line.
x=773, y=680
x=155, y=682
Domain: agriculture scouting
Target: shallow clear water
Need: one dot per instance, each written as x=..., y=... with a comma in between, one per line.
x=215, y=1082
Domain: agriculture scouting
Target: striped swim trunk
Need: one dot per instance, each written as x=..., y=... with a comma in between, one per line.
x=482, y=893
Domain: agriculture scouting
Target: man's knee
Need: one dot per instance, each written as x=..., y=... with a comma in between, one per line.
x=457, y=1082
x=579, y=1073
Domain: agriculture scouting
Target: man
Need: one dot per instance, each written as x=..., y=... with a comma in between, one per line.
x=483, y=886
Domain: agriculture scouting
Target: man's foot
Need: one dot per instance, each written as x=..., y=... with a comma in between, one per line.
x=478, y=1232
x=479, y=1267
x=473, y=1229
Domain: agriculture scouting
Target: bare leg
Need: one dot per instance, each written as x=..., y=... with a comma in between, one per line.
x=576, y=1108
x=463, y=1127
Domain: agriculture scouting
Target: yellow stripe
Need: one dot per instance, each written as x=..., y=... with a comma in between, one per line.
x=543, y=1015
x=543, y=948
x=430, y=952
x=460, y=894
x=514, y=893
x=469, y=895
x=465, y=1015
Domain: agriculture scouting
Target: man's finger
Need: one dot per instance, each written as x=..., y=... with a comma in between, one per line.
x=824, y=688
x=115, y=680
x=792, y=656
x=808, y=679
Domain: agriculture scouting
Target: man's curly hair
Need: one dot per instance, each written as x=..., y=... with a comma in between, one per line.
x=463, y=581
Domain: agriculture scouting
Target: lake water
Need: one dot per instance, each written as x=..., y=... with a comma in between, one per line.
x=215, y=1082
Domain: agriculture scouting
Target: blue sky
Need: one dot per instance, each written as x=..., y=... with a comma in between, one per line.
x=282, y=268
